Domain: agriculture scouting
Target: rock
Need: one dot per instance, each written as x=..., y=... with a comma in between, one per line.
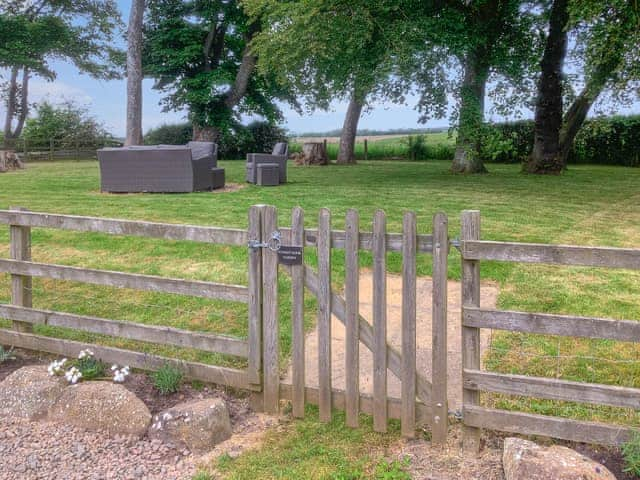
x=29, y=392
x=102, y=406
x=525, y=460
x=198, y=425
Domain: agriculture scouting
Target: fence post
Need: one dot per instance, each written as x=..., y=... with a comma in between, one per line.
x=20, y=249
x=470, y=335
x=439, y=329
x=254, y=367
x=366, y=150
x=270, y=327
x=25, y=149
x=51, y=148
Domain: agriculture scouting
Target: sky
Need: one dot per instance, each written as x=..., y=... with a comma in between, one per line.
x=106, y=101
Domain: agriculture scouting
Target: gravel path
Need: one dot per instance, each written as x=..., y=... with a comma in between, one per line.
x=47, y=451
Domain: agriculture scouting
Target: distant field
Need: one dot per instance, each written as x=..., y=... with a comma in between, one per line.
x=436, y=146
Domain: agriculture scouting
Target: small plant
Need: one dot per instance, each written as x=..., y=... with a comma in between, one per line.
x=167, y=379
x=631, y=454
x=85, y=367
x=202, y=475
x=6, y=355
x=395, y=470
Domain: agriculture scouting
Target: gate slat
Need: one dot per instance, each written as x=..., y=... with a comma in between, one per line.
x=408, y=421
x=379, y=302
x=254, y=365
x=352, y=337
x=270, y=325
x=324, y=314
x=439, y=329
x=297, y=317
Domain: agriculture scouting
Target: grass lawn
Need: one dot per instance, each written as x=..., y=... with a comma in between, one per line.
x=589, y=205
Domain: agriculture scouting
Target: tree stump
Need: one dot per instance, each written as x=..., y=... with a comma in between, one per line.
x=313, y=153
x=9, y=160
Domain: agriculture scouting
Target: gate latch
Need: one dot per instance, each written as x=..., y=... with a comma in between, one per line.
x=273, y=244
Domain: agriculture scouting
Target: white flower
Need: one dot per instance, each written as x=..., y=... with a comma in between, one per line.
x=119, y=375
x=55, y=367
x=73, y=375
x=85, y=354
x=114, y=367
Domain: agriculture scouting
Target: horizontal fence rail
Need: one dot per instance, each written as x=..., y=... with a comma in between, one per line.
x=133, y=331
x=552, y=324
x=197, y=371
x=365, y=241
x=112, y=226
x=551, y=254
x=474, y=318
x=196, y=288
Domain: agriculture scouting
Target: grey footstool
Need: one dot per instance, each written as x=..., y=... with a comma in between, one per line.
x=217, y=175
x=268, y=174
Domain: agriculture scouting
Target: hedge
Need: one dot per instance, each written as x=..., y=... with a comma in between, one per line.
x=604, y=140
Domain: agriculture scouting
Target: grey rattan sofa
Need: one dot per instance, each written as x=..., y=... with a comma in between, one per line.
x=279, y=155
x=158, y=168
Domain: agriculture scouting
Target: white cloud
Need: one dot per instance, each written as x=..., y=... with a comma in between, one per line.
x=57, y=92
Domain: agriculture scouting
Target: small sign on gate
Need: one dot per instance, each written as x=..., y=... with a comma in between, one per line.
x=288, y=255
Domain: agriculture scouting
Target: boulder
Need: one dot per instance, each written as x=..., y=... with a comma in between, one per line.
x=525, y=460
x=197, y=425
x=29, y=392
x=102, y=406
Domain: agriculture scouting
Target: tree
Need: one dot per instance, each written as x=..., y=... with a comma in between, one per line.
x=606, y=37
x=548, y=114
x=69, y=125
x=134, y=74
x=33, y=32
x=199, y=55
x=327, y=50
x=490, y=38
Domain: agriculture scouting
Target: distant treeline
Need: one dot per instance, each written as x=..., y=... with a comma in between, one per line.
x=369, y=133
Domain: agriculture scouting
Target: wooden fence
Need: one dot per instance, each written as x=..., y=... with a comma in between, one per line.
x=24, y=316
x=474, y=318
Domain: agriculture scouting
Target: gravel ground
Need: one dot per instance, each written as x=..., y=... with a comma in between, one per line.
x=41, y=450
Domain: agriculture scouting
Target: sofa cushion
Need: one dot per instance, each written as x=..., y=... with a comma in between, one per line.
x=201, y=149
x=280, y=148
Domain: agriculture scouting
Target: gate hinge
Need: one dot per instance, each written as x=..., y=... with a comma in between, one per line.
x=273, y=244
x=455, y=242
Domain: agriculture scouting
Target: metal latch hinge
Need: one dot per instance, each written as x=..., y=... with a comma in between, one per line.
x=273, y=244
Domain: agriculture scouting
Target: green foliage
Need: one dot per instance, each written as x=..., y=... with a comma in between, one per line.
x=167, y=379
x=90, y=367
x=603, y=141
x=631, y=454
x=257, y=137
x=69, y=125
x=80, y=32
x=202, y=65
x=169, y=134
x=395, y=470
x=417, y=147
x=202, y=475
x=6, y=355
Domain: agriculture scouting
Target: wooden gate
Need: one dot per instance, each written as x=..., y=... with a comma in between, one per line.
x=422, y=402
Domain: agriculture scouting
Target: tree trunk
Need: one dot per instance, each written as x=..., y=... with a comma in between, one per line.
x=467, y=156
x=12, y=94
x=24, y=103
x=346, y=151
x=205, y=133
x=546, y=157
x=573, y=121
x=134, y=74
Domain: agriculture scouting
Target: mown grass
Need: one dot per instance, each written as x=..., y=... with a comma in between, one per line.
x=309, y=449
x=588, y=205
x=437, y=146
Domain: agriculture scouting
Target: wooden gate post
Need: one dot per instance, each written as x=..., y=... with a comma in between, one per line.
x=270, y=325
x=470, y=335
x=439, y=329
x=20, y=249
x=254, y=367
